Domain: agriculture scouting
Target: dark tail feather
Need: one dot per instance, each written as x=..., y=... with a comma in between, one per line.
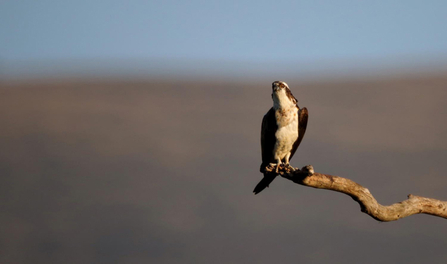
x=265, y=182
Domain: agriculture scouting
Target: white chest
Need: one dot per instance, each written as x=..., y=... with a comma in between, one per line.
x=287, y=133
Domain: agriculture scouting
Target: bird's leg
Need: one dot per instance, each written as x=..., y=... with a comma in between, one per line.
x=287, y=164
x=278, y=163
x=273, y=167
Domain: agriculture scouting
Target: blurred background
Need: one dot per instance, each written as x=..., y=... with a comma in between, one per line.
x=129, y=130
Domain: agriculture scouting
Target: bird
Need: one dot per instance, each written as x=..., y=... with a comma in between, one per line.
x=282, y=131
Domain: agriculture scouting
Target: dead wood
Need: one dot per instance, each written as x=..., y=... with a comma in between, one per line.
x=368, y=204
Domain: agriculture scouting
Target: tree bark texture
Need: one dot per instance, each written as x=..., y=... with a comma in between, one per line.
x=368, y=204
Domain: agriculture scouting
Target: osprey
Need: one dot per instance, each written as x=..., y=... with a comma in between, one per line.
x=283, y=128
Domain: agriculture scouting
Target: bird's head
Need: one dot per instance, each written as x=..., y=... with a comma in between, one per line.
x=282, y=96
x=278, y=85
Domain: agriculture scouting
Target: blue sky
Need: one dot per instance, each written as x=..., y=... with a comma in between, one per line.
x=222, y=31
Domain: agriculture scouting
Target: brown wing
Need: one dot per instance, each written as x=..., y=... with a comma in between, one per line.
x=268, y=138
x=268, y=141
x=303, y=115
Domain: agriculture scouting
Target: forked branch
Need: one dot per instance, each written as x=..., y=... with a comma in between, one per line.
x=368, y=204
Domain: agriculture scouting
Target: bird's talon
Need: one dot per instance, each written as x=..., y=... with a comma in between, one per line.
x=268, y=168
x=289, y=168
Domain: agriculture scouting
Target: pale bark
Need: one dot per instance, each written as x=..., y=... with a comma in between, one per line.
x=368, y=204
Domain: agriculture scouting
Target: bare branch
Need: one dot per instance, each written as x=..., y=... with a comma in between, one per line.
x=369, y=205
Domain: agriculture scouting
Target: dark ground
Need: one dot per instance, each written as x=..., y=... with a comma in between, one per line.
x=134, y=171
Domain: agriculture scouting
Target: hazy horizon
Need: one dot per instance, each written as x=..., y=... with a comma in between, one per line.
x=181, y=69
